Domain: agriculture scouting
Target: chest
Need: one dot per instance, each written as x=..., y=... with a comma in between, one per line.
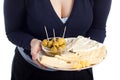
x=62, y=8
x=46, y=9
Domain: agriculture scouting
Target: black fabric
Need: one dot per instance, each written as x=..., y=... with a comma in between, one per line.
x=25, y=20
x=21, y=70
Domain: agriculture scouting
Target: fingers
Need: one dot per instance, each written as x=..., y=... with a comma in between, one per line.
x=35, y=55
x=42, y=66
x=35, y=58
x=35, y=49
x=38, y=63
x=35, y=46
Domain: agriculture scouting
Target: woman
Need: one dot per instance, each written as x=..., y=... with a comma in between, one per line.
x=24, y=24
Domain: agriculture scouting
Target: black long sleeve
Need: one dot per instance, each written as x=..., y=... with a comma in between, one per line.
x=14, y=13
x=101, y=10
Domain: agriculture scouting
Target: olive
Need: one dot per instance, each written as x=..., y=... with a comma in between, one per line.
x=50, y=43
x=61, y=41
x=55, y=44
x=45, y=42
x=53, y=50
x=61, y=48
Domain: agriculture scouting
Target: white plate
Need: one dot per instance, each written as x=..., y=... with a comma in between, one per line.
x=64, y=69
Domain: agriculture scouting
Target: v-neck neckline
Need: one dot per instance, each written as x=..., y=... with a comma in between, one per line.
x=57, y=17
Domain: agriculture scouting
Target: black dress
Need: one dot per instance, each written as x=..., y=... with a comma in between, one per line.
x=25, y=20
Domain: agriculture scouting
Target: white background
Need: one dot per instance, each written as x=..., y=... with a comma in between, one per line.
x=107, y=70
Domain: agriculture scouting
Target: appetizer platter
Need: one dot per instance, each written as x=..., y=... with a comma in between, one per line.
x=69, y=54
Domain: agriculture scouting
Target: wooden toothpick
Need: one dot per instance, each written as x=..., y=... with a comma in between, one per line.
x=54, y=34
x=46, y=33
x=64, y=32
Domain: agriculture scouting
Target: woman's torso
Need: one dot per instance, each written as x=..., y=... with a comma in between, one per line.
x=40, y=13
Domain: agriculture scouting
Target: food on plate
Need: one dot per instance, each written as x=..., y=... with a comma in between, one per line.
x=54, y=46
x=80, y=53
x=61, y=41
x=81, y=64
x=45, y=42
x=54, y=62
x=71, y=61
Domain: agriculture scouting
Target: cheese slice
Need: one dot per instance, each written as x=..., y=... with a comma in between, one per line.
x=54, y=62
x=83, y=44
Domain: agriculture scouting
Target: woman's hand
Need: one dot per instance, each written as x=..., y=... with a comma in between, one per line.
x=35, y=49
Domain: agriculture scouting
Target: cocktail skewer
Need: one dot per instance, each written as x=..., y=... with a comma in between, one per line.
x=54, y=34
x=64, y=32
x=46, y=33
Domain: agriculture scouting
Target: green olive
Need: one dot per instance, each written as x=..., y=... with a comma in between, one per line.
x=53, y=50
x=61, y=41
x=50, y=43
x=45, y=42
x=62, y=47
x=55, y=44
